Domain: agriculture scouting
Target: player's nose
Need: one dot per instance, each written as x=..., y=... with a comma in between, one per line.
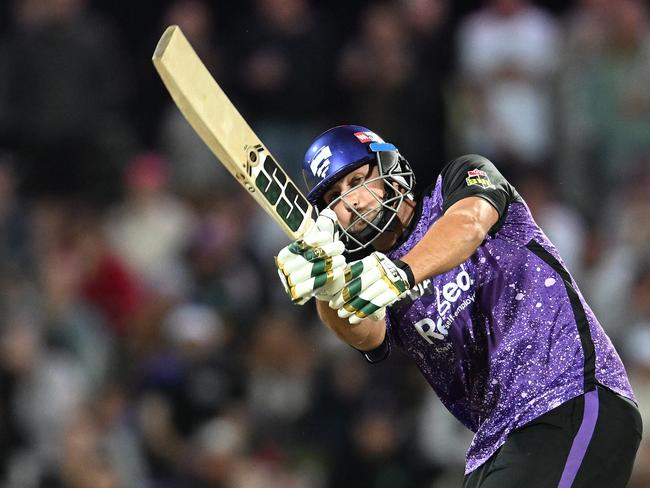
x=352, y=199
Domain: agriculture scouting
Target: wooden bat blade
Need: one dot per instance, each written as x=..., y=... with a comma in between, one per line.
x=220, y=125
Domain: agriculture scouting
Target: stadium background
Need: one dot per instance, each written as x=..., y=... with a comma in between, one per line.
x=144, y=337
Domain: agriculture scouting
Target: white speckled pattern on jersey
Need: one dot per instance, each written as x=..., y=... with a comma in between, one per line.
x=496, y=337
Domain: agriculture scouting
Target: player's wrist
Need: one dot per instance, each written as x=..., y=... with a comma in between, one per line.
x=408, y=272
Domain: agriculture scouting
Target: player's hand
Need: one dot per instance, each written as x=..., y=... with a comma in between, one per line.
x=373, y=283
x=314, y=265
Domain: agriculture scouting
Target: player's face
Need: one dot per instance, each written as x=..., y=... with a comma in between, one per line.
x=361, y=194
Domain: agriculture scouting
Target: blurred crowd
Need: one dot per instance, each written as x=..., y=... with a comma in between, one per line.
x=145, y=340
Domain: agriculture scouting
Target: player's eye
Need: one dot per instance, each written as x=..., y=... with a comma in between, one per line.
x=329, y=197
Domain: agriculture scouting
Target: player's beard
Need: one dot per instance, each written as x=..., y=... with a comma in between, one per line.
x=359, y=223
x=367, y=215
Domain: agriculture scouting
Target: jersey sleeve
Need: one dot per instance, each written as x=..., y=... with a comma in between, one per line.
x=475, y=176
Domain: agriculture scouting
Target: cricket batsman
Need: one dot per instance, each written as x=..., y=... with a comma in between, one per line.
x=464, y=281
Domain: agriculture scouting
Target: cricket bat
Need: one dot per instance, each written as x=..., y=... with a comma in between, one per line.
x=220, y=125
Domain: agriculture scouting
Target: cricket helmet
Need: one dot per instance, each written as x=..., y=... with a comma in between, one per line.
x=344, y=148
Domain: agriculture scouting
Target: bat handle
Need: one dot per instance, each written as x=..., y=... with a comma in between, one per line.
x=307, y=224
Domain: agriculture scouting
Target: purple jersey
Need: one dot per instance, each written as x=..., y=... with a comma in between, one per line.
x=506, y=336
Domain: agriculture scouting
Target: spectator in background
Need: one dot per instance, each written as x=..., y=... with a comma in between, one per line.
x=70, y=322
x=629, y=215
x=636, y=347
x=585, y=32
x=83, y=463
x=442, y=441
x=380, y=74
x=427, y=22
x=222, y=452
x=283, y=67
x=107, y=282
x=586, y=27
x=221, y=248
x=120, y=441
x=17, y=350
x=605, y=112
x=339, y=393
x=15, y=245
x=280, y=386
x=152, y=228
x=64, y=90
x=51, y=387
x=78, y=270
x=638, y=336
x=507, y=55
x=193, y=169
x=185, y=385
x=620, y=245
x=376, y=454
x=616, y=102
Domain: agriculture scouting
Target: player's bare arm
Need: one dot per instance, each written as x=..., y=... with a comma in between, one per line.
x=453, y=238
x=365, y=336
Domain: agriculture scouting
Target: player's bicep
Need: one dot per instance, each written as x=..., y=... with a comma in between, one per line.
x=480, y=210
x=475, y=176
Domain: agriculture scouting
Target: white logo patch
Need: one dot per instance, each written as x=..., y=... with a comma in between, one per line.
x=450, y=294
x=320, y=164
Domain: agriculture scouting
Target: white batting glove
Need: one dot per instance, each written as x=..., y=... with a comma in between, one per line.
x=314, y=265
x=372, y=284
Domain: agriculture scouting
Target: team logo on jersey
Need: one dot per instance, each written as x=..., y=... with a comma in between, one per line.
x=478, y=177
x=367, y=136
x=321, y=163
x=451, y=300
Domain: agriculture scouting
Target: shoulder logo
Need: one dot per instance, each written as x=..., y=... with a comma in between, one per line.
x=478, y=177
x=321, y=163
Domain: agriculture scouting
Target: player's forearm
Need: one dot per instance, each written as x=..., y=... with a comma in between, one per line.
x=448, y=243
x=365, y=336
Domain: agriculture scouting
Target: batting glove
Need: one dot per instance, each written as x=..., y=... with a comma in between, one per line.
x=314, y=265
x=372, y=284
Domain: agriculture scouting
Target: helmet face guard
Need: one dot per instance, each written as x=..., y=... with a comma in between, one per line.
x=398, y=181
x=342, y=149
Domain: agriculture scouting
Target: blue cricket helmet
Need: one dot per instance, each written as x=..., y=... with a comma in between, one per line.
x=335, y=153
x=342, y=149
